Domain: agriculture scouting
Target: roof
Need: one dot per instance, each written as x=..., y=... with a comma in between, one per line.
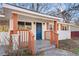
x=74, y=25
x=28, y=11
x=71, y=24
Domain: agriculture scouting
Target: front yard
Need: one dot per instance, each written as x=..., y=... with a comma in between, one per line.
x=70, y=45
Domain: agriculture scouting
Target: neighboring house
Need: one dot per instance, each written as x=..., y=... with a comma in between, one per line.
x=21, y=19
x=74, y=31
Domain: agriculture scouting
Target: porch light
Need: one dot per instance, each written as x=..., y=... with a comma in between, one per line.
x=34, y=22
x=43, y=23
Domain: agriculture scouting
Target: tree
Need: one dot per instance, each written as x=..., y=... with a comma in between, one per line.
x=66, y=13
x=37, y=7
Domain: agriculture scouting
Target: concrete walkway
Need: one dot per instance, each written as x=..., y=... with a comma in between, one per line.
x=43, y=49
x=56, y=52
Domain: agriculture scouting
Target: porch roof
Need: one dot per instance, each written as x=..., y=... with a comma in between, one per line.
x=29, y=13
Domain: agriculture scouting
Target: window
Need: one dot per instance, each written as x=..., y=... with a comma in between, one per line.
x=20, y=25
x=24, y=25
x=64, y=27
x=28, y=26
x=50, y=26
x=4, y=26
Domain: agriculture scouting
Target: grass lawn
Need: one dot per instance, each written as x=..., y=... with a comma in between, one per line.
x=70, y=45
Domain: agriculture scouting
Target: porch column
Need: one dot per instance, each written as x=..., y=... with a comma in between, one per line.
x=56, y=35
x=14, y=22
x=55, y=26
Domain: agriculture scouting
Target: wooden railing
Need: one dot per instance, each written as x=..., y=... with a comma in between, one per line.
x=31, y=42
x=52, y=36
x=23, y=39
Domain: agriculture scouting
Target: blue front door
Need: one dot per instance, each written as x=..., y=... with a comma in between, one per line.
x=39, y=31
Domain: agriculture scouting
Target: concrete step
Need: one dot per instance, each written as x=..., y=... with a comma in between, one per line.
x=42, y=49
x=43, y=46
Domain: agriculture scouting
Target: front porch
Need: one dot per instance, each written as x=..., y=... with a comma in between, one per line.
x=23, y=32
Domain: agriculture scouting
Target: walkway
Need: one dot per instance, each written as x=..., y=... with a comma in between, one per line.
x=56, y=52
x=43, y=49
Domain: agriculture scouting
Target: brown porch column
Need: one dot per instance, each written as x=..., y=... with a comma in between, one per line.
x=55, y=26
x=55, y=34
x=15, y=22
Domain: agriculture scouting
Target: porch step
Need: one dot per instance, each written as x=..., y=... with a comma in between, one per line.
x=42, y=49
x=42, y=45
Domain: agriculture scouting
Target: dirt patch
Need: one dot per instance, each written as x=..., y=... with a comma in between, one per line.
x=20, y=52
x=70, y=45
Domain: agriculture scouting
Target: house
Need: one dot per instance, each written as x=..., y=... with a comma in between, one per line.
x=74, y=31
x=20, y=21
x=29, y=20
